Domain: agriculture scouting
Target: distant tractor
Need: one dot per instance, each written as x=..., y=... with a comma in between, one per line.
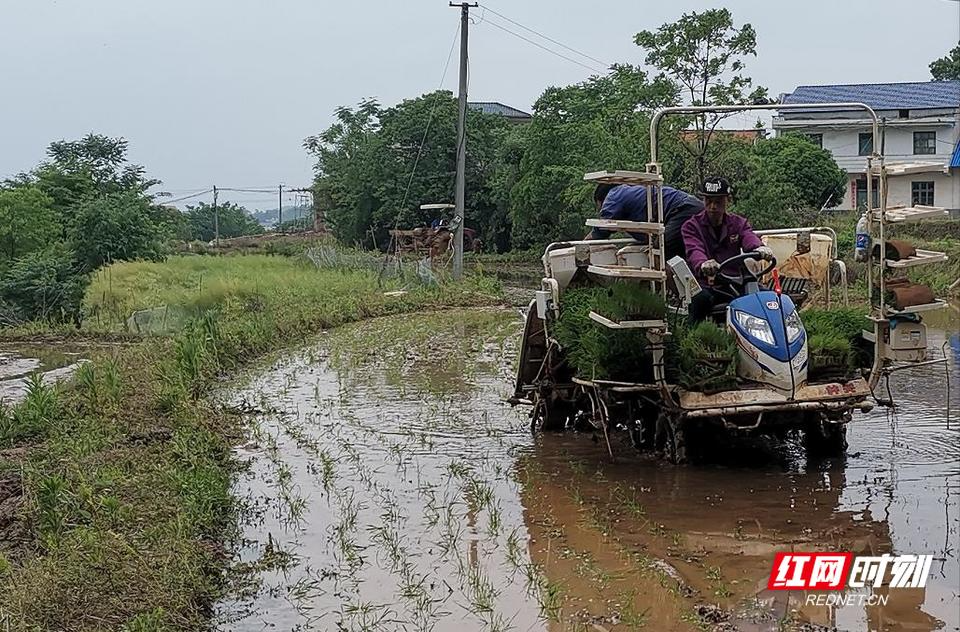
x=434, y=241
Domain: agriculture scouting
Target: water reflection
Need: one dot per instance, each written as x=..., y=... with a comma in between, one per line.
x=390, y=487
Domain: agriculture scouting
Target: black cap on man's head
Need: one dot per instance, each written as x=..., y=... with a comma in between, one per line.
x=719, y=187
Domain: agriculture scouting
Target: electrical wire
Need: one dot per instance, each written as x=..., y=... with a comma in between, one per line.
x=541, y=46
x=549, y=39
x=426, y=131
x=186, y=197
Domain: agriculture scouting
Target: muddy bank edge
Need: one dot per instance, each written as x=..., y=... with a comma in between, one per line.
x=115, y=488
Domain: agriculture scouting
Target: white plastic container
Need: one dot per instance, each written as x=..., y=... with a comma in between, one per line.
x=563, y=264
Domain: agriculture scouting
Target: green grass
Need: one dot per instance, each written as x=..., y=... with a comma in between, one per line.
x=127, y=478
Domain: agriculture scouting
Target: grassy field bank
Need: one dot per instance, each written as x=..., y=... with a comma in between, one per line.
x=115, y=489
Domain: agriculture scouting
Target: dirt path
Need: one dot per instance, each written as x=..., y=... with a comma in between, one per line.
x=389, y=487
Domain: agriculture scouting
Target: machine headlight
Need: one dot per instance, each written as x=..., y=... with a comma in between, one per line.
x=755, y=327
x=794, y=327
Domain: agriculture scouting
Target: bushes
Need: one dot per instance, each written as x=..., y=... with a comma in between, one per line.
x=122, y=226
x=43, y=285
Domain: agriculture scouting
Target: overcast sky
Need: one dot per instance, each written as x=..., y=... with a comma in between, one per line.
x=224, y=91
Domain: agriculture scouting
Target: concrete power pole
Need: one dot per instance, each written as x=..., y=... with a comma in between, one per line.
x=461, y=142
x=216, y=218
x=279, y=208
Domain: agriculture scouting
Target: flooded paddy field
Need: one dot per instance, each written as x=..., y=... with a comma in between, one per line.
x=19, y=363
x=389, y=487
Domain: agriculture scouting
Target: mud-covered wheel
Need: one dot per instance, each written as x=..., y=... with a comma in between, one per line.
x=643, y=431
x=550, y=415
x=824, y=438
x=671, y=439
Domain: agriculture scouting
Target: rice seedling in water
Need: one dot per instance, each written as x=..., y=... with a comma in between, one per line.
x=514, y=552
x=480, y=591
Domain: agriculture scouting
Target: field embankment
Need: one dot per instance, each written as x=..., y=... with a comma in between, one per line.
x=115, y=488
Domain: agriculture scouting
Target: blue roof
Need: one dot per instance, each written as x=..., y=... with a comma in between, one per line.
x=493, y=107
x=884, y=96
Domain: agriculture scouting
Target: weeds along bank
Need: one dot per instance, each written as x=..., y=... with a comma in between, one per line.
x=115, y=489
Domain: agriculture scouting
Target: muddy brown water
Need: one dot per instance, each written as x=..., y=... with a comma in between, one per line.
x=389, y=487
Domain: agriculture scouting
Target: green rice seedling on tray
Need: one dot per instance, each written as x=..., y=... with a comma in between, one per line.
x=703, y=357
x=596, y=352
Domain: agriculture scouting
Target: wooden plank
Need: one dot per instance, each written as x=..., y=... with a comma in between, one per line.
x=913, y=309
x=625, y=226
x=627, y=324
x=912, y=214
x=923, y=257
x=623, y=177
x=624, y=272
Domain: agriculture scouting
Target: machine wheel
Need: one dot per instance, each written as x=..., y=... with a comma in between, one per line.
x=825, y=439
x=550, y=416
x=670, y=438
x=643, y=431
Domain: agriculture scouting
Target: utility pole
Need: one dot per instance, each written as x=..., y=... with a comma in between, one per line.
x=461, y=142
x=279, y=208
x=216, y=218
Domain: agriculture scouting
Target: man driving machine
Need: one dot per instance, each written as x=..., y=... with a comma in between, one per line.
x=710, y=238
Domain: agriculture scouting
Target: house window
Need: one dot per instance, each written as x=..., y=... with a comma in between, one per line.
x=866, y=144
x=924, y=142
x=816, y=139
x=922, y=193
x=904, y=114
x=861, y=193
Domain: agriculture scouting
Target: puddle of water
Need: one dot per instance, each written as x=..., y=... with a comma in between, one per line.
x=390, y=487
x=54, y=362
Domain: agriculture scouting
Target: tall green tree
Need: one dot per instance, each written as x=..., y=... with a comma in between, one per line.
x=234, y=221
x=366, y=183
x=705, y=54
x=947, y=67
x=28, y=222
x=600, y=123
x=784, y=181
x=83, y=207
x=117, y=227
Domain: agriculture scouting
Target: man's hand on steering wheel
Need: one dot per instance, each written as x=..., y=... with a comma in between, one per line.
x=765, y=253
x=762, y=252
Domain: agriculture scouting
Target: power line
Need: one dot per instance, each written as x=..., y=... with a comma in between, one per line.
x=549, y=39
x=186, y=197
x=426, y=131
x=541, y=46
x=247, y=190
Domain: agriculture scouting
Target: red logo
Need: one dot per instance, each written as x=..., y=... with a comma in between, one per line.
x=810, y=571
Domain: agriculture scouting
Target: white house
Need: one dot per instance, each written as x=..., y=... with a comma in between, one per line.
x=921, y=126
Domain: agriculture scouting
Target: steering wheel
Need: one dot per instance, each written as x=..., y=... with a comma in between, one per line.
x=745, y=272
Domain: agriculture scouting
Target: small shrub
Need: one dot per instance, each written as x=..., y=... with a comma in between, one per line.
x=33, y=416
x=44, y=285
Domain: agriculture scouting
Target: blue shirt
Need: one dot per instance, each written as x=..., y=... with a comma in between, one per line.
x=628, y=202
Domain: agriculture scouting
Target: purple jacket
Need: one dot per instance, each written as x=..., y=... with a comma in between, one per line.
x=702, y=241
